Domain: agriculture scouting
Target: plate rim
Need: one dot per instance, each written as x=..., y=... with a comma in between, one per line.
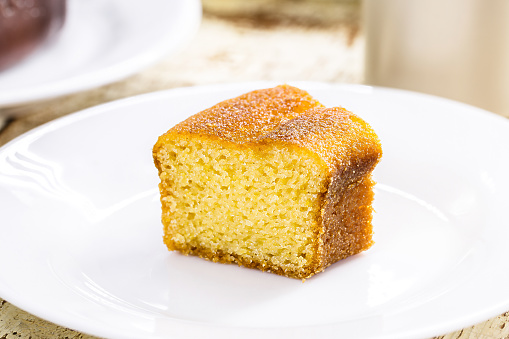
x=102, y=108
x=218, y=87
x=190, y=20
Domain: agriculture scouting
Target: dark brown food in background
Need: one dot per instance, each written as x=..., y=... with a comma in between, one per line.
x=25, y=25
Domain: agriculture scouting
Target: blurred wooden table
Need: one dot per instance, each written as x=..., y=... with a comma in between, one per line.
x=237, y=41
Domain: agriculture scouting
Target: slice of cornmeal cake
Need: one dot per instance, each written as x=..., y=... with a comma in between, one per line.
x=270, y=180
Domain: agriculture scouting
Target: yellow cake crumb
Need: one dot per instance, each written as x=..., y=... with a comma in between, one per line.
x=270, y=180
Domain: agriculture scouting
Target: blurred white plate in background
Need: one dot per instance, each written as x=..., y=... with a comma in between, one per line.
x=82, y=237
x=102, y=41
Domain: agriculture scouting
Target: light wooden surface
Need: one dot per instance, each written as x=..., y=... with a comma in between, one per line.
x=284, y=40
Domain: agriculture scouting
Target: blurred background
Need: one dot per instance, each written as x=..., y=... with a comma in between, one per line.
x=236, y=41
x=457, y=49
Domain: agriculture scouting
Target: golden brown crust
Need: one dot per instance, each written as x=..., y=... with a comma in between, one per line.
x=347, y=217
x=345, y=146
x=226, y=258
x=351, y=150
x=338, y=137
x=249, y=116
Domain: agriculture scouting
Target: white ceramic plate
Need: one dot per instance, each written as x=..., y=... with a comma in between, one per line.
x=81, y=233
x=102, y=41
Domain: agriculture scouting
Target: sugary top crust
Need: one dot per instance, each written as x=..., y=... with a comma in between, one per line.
x=250, y=116
x=288, y=116
x=345, y=142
